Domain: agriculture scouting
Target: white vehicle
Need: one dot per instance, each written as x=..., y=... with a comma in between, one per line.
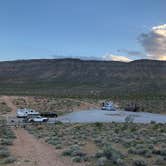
x=38, y=119
x=22, y=113
x=108, y=106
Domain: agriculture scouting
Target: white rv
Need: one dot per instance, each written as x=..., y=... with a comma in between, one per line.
x=108, y=106
x=22, y=113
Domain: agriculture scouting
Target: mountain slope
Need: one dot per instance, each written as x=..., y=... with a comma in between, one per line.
x=83, y=78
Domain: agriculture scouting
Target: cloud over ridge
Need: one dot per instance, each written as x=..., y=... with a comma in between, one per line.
x=154, y=42
x=112, y=57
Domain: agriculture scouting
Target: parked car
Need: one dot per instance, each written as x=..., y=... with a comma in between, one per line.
x=49, y=114
x=38, y=119
x=22, y=113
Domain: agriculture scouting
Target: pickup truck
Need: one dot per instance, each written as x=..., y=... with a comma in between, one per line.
x=49, y=114
x=38, y=119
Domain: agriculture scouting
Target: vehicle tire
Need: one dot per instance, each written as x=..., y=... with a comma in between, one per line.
x=45, y=120
x=31, y=121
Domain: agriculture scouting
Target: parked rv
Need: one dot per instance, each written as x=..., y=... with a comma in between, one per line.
x=22, y=113
x=108, y=106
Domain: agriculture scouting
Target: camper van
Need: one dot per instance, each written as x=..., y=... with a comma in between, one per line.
x=22, y=113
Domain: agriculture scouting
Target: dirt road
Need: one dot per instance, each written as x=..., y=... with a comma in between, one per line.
x=31, y=151
x=8, y=101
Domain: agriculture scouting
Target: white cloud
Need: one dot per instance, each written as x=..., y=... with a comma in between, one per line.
x=159, y=27
x=154, y=42
x=111, y=57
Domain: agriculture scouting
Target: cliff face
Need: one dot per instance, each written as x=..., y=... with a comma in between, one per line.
x=78, y=77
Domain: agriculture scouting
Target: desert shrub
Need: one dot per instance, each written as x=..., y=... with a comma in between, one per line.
x=156, y=151
x=77, y=159
x=54, y=140
x=111, y=153
x=139, y=162
x=133, y=129
x=139, y=151
x=98, y=141
x=8, y=160
x=59, y=146
x=9, y=134
x=98, y=125
x=87, y=158
x=72, y=151
x=152, y=122
x=99, y=154
x=6, y=142
x=67, y=152
x=4, y=153
x=160, y=160
x=101, y=161
x=162, y=152
x=129, y=119
x=75, y=152
x=59, y=123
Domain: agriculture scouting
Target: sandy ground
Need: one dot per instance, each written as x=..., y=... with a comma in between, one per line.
x=31, y=151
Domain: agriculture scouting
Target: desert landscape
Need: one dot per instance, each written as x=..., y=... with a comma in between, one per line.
x=77, y=143
x=83, y=83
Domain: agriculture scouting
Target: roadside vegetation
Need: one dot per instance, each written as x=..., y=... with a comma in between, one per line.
x=105, y=144
x=4, y=109
x=6, y=140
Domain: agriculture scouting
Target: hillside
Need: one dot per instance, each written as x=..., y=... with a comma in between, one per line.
x=74, y=77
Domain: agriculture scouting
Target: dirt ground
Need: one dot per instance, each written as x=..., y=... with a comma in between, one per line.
x=31, y=151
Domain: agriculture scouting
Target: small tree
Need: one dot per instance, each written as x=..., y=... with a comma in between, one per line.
x=129, y=119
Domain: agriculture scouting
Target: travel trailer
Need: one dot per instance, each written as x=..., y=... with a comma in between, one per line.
x=108, y=106
x=22, y=113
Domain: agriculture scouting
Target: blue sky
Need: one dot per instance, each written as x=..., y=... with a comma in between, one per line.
x=79, y=28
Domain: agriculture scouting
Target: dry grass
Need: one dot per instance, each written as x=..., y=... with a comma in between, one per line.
x=129, y=144
x=6, y=139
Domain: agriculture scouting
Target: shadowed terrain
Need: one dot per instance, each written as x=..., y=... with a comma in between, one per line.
x=79, y=78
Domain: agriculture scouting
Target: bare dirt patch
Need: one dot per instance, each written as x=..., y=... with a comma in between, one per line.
x=33, y=152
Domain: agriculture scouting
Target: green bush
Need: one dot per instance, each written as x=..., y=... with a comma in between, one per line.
x=163, y=152
x=4, y=153
x=111, y=153
x=59, y=146
x=8, y=160
x=6, y=142
x=139, y=162
x=73, y=151
x=77, y=159
x=98, y=125
x=139, y=151
x=99, y=154
x=101, y=161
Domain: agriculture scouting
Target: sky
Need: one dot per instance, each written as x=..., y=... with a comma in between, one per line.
x=121, y=30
